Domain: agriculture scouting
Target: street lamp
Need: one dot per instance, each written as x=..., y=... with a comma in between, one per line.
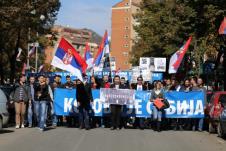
x=36, y=45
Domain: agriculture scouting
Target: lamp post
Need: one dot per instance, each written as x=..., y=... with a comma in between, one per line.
x=36, y=45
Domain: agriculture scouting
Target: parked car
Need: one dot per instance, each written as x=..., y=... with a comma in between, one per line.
x=209, y=95
x=221, y=127
x=4, y=115
x=8, y=89
x=216, y=109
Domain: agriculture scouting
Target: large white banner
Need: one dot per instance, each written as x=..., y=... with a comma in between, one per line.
x=117, y=96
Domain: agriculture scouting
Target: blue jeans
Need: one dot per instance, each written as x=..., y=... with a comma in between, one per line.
x=53, y=114
x=200, y=128
x=157, y=114
x=84, y=117
x=40, y=111
x=30, y=114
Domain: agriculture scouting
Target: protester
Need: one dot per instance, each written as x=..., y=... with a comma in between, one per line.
x=106, y=83
x=94, y=83
x=21, y=96
x=185, y=123
x=69, y=85
x=116, y=108
x=57, y=84
x=31, y=85
x=194, y=87
x=157, y=93
x=201, y=87
x=83, y=105
x=41, y=99
x=53, y=117
x=124, y=118
x=139, y=86
x=105, y=121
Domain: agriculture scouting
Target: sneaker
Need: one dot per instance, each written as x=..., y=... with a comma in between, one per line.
x=22, y=126
x=29, y=126
x=41, y=129
x=45, y=125
x=17, y=126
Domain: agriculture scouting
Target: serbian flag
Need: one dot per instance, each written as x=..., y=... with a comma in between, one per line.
x=24, y=68
x=177, y=57
x=222, y=29
x=31, y=51
x=40, y=69
x=18, y=55
x=67, y=58
x=103, y=49
x=88, y=57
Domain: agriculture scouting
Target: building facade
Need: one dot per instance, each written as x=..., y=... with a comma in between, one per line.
x=123, y=32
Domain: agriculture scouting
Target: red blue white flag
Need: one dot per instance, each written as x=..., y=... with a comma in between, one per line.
x=178, y=56
x=222, y=29
x=68, y=59
x=88, y=57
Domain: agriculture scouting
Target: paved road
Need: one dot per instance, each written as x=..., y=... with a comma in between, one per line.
x=72, y=139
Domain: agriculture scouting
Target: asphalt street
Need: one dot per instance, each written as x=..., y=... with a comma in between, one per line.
x=72, y=139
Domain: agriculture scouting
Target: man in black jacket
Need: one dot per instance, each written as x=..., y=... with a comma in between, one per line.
x=83, y=105
x=41, y=97
x=115, y=108
x=139, y=86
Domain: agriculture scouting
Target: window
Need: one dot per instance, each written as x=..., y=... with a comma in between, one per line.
x=126, y=28
x=126, y=10
x=126, y=54
x=126, y=36
x=127, y=4
x=127, y=18
x=126, y=45
x=126, y=63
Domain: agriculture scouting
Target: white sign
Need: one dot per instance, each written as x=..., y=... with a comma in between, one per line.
x=144, y=62
x=160, y=64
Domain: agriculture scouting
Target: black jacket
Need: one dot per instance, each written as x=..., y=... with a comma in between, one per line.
x=88, y=91
x=69, y=85
x=82, y=95
x=44, y=90
x=143, y=86
x=120, y=86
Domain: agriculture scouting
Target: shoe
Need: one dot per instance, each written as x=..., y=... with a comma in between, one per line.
x=118, y=128
x=17, y=126
x=112, y=128
x=41, y=129
x=30, y=126
x=45, y=125
x=22, y=126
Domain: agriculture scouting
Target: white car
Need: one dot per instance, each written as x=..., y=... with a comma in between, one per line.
x=4, y=115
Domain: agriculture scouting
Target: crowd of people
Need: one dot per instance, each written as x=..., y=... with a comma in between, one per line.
x=34, y=103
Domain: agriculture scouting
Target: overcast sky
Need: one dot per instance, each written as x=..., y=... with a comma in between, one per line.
x=92, y=14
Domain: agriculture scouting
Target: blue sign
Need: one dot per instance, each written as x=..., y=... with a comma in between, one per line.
x=157, y=76
x=182, y=104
